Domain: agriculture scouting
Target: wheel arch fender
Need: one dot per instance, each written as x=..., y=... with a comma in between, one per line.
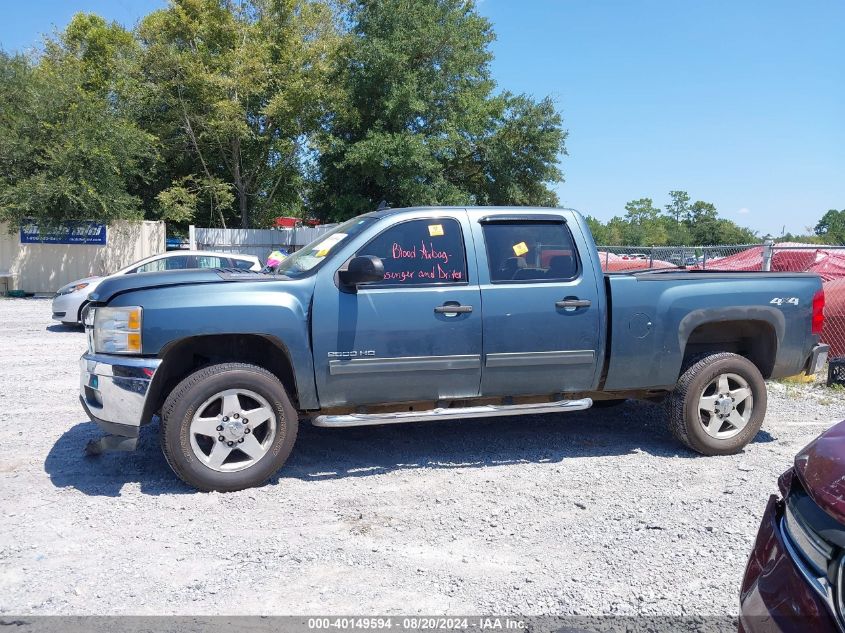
x=755, y=332
x=184, y=356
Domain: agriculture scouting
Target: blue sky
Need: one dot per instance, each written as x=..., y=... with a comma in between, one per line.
x=740, y=103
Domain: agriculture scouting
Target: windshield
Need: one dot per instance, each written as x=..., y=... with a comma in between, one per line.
x=312, y=255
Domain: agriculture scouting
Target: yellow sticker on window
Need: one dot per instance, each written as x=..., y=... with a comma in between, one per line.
x=520, y=249
x=327, y=244
x=435, y=230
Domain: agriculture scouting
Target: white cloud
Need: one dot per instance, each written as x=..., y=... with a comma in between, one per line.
x=744, y=211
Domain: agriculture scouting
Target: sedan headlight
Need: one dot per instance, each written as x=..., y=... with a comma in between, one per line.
x=116, y=330
x=66, y=290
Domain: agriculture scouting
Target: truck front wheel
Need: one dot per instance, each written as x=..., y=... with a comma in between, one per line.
x=228, y=427
x=718, y=405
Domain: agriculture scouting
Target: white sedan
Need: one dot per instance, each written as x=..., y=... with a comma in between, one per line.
x=70, y=299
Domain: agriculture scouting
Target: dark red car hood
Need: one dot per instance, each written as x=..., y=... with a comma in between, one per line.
x=821, y=469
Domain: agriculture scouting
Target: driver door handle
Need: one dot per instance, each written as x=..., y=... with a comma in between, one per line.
x=573, y=303
x=452, y=309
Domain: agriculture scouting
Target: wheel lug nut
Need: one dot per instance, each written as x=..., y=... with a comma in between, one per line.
x=219, y=428
x=221, y=438
x=225, y=419
x=240, y=441
x=245, y=421
x=246, y=430
x=236, y=416
x=230, y=443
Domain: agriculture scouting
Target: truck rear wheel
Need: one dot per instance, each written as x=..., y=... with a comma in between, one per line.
x=228, y=427
x=718, y=405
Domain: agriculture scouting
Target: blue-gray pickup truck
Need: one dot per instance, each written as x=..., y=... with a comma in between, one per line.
x=424, y=314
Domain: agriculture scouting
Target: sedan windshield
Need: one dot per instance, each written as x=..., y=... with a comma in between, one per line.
x=310, y=256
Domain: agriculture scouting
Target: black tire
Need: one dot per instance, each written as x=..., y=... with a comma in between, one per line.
x=79, y=313
x=685, y=420
x=181, y=405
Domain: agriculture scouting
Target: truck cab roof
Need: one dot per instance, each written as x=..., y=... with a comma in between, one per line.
x=383, y=213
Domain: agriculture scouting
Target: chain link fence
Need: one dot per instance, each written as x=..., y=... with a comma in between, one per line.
x=826, y=261
x=618, y=258
x=829, y=263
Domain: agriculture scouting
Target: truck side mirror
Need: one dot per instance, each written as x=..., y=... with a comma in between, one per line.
x=362, y=269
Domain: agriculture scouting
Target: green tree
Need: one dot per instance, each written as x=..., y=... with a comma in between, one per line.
x=179, y=202
x=513, y=164
x=68, y=151
x=706, y=227
x=728, y=232
x=641, y=211
x=678, y=207
x=701, y=211
x=644, y=225
x=234, y=89
x=702, y=223
x=832, y=227
x=418, y=122
x=105, y=54
x=601, y=233
x=616, y=231
x=677, y=233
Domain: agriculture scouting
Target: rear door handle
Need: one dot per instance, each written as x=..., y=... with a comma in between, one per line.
x=573, y=303
x=452, y=309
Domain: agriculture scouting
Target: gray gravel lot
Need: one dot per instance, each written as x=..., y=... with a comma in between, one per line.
x=598, y=512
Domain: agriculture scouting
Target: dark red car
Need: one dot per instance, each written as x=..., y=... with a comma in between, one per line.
x=795, y=578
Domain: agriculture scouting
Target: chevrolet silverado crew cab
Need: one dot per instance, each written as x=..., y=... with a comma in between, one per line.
x=422, y=314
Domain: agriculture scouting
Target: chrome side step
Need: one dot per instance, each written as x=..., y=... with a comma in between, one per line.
x=457, y=413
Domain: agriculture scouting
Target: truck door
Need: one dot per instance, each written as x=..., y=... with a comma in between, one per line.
x=414, y=336
x=541, y=309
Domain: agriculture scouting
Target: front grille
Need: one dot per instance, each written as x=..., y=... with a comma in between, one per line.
x=804, y=520
x=816, y=541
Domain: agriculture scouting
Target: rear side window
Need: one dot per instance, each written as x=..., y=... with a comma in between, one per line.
x=530, y=251
x=210, y=261
x=244, y=264
x=421, y=252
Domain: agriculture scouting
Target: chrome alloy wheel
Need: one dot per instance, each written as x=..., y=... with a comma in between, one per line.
x=232, y=430
x=725, y=406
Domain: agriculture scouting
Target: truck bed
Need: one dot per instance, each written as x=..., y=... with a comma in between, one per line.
x=655, y=317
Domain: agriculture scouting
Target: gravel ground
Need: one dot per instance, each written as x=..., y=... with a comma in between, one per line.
x=598, y=512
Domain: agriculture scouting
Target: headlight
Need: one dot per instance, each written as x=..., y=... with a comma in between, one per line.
x=117, y=330
x=808, y=528
x=88, y=316
x=68, y=289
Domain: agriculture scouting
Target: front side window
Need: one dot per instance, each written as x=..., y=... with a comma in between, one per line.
x=530, y=251
x=421, y=252
x=165, y=263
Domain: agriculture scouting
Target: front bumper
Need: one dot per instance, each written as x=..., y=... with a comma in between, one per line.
x=66, y=307
x=113, y=390
x=776, y=595
x=817, y=359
